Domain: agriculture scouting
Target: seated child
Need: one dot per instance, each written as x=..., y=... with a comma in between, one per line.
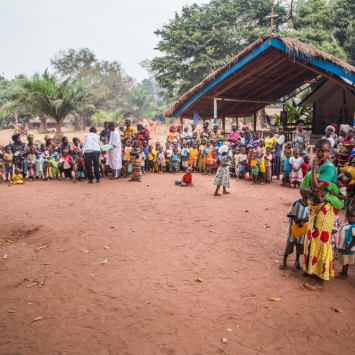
x=17, y=178
x=346, y=249
x=297, y=229
x=186, y=179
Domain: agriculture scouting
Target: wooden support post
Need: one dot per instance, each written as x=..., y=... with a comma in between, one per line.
x=224, y=122
x=181, y=121
x=237, y=121
x=254, y=119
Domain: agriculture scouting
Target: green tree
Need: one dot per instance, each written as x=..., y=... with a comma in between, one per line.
x=49, y=97
x=108, y=81
x=138, y=103
x=203, y=38
x=314, y=23
x=116, y=117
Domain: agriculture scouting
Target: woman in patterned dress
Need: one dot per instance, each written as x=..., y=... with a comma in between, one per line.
x=222, y=177
x=317, y=260
x=136, y=162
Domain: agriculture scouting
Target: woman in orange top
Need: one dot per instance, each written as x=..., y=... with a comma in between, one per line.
x=208, y=159
x=173, y=134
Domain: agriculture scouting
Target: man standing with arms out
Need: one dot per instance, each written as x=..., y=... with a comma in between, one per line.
x=91, y=150
x=114, y=158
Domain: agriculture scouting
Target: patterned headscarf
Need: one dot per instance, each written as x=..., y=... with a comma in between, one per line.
x=344, y=127
x=46, y=137
x=30, y=135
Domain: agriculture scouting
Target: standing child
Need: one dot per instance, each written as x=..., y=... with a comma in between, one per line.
x=286, y=169
x=38, y=162
x=215, y=155
x=45, y=155
x=335, y=230
x=160, y=160
x=297, y=229
x=222, y=176
x=208, y=159
x=184, y=149
x=255, y=163
x=127, y=157
x=242, y=162
x=136, y=162
x=67, y=162
x=80, y=166
x=8, y=160
x=192, y=156
x=175, y=160
x=17, y=178
x=288, y=146
x=236, y=166
x=267, y=159
x=146, y=153
x=31, y=169
x=305, y=165
x=346, y=248
x=151, y=157
x=168, y=152
x=296, y=175
x=261, y=155
x=201, y=163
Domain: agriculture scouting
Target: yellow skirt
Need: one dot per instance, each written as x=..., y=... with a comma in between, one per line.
x=262, y=166
x=318, y=254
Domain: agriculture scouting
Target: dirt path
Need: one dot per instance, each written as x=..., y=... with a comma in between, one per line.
x=145, y=299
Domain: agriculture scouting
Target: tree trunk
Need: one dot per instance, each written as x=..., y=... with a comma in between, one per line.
x=262, y=118
x=83, y=122
x=58, y=127
x=43, y=126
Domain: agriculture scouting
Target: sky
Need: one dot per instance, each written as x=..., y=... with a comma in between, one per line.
x=32, y=31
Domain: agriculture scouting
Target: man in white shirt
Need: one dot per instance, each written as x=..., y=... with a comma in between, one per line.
x=114, y=157
x=91, y=149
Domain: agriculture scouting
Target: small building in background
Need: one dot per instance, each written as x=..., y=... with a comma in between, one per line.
x=331, y=103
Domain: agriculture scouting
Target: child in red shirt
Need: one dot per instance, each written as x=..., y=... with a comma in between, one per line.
x=305, y=164
x=186, y=179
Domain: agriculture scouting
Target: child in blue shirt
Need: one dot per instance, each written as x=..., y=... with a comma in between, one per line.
x=286, y=169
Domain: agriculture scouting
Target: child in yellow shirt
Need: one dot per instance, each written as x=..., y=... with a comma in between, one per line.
x=192, y=156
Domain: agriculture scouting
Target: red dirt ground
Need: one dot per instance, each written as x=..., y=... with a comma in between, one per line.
x=145, y=299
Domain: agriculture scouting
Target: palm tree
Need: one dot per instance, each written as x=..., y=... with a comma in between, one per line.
x=49, y=97
x=138, y=103
x=111, y=116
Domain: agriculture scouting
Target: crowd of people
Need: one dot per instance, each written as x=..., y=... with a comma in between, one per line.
x=327, y=184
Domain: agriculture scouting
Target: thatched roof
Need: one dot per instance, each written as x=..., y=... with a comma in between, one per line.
x=266, y=66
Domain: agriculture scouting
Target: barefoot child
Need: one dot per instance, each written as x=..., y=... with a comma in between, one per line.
x=201, y=163
x=161, y=159
x=297, y=228
x=236, y=166
x=268, y=158
x=296, y=175
x=175, y=160
x=186, y=179
x=222, y=177
x=7, y=160
x=208, y=159
x=38, y=162
x=80, y=166
x=17, y=178
x=255, y=163
x=286, y=169
x=261, y=155
x=192, y=156
x=346, y=248
x=242, y=162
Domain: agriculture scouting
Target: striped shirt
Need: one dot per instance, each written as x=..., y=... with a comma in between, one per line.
x=299, y=211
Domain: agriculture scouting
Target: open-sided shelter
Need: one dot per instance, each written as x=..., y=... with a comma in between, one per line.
x=265, y=72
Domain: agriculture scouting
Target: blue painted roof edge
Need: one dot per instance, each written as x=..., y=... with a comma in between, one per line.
x=277, y=43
